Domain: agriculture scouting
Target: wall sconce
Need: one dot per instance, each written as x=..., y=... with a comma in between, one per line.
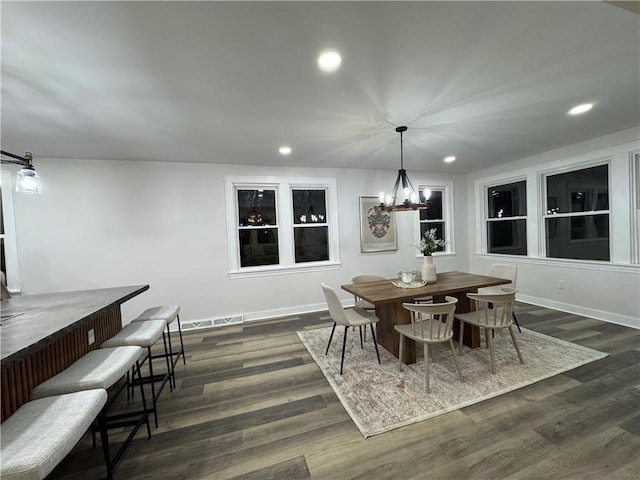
x=28, y=180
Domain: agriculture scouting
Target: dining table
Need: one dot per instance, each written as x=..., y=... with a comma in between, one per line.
x=388, y=296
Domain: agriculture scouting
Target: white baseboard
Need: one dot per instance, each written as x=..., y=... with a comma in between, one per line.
x=618, y=319
x=234, y=319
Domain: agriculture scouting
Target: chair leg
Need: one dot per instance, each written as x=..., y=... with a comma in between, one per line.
x=400, y=352
x=455, y=360
x=515, y=344
x=492, y=350
x=360, y=330
x=426, y=368
x=515, y=319
x=460, y=338
x=344, y=345
x=330, y=338
x=375, y=342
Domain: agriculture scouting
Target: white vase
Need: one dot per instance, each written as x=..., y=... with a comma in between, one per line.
x=428, y=270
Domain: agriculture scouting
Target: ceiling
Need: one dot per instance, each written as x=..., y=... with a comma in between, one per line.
x=230, y=82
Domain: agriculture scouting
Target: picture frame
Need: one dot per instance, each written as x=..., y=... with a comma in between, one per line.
x=378, y=231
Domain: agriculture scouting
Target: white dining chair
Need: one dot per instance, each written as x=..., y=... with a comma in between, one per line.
x=352, y=317
x=431, y=323
x=492, y=312
x=507, y=271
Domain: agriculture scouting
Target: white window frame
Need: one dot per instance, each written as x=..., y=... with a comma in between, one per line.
x=14, y=280
x=484, y=192
x=447, y=216
x=544, y=215
x=284, y=212
x=634, y=160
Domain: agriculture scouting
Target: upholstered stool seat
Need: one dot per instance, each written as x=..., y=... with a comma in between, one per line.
x=97, y=369
x=102, y=369
x=145, y=334
x=42, y=432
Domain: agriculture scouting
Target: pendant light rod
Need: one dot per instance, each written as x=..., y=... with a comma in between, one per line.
x=24, y=161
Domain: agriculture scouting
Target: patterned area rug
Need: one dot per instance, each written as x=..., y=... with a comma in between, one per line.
x=380, y=397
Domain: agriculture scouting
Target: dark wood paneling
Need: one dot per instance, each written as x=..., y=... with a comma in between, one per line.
x=19, y=379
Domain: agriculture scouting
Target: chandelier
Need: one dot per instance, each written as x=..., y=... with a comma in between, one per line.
x=404, y=196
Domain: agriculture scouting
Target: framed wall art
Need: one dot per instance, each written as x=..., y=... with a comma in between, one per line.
x=377, y=227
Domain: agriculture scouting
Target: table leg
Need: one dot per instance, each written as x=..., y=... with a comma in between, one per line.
x=471, y=332
x=391, y=314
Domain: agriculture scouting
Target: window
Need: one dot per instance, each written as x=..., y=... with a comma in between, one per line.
x=433, y=216
x=507, y=218
x=8, y=244
x=438, y=214
x=577, y=214
x=281, y=224
x=310, y=225
x=257, y=227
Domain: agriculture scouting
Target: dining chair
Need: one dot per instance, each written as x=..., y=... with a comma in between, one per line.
x=352, y=317
x=498, y=316
x=359, y=302
x=430, y=324
x=502, y=270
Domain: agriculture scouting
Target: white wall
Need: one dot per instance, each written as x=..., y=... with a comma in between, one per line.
x=111, y=223
x=607, y=291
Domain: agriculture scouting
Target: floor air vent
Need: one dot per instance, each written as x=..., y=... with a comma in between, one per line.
x=213, y=322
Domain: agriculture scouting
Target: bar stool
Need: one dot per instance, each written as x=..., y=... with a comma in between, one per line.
x=168, y=313
x=145, y=334
x=37, y=436
x=102, y=369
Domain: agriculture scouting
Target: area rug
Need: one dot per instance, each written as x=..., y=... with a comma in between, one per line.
x=380, y=397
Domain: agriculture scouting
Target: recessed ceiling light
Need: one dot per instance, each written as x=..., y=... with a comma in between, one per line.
x=284, y=150
x=577, y=110
x=329, y=61
x=449, y=159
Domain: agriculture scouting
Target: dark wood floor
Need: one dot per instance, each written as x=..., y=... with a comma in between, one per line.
x=251, y=403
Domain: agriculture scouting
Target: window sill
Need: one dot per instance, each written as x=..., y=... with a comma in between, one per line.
x=283, y=270
x=565, y=262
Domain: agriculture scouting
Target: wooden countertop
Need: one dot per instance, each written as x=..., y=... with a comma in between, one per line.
x=30, y=322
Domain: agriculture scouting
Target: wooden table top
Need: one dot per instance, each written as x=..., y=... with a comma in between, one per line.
x=384, y=291
x=30, y=322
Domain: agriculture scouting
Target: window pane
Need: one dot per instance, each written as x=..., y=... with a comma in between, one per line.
x=257, y=207
x=258, y=246
x=434, y=206
x=584, y=238
x=508, y=200
x=578, y=191
x=309, y=206
x=508, y=237
x=311, y=244
x=439, y=226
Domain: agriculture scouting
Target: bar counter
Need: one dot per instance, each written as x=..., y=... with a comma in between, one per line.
x=41, y=335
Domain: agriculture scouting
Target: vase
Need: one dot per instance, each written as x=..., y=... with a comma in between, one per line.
x=428, y=270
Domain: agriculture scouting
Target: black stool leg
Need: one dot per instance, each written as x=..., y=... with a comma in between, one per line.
x=168, y=355
x=153, y=388
x=104, y=439
x=184, y=360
